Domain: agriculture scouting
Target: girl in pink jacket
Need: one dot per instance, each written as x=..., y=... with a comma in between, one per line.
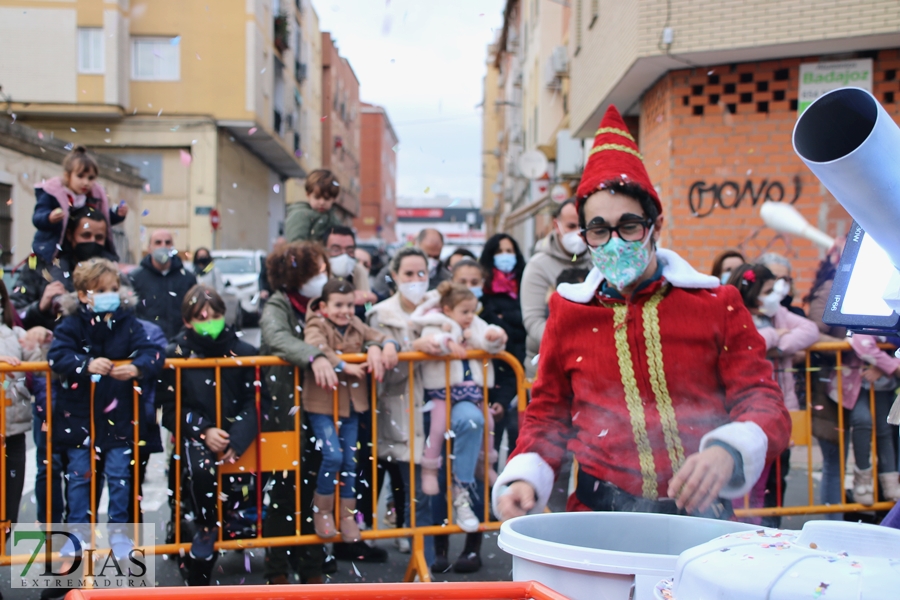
x=869, y=367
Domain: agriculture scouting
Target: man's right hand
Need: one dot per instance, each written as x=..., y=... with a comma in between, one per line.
x=53, y=289
x=516, y=501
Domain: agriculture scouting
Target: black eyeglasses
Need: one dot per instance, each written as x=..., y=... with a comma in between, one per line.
x=629, y=231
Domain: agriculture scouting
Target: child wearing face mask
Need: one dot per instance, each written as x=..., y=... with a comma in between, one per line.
x=57, y=197
x=207, y=438
x=448, y=316
x=785, y=334
x=333, y=328
x=99, y=329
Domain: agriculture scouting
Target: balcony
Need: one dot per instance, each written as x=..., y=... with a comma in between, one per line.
x=281, y=32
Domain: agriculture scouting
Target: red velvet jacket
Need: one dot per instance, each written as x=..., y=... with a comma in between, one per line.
x=633, y=387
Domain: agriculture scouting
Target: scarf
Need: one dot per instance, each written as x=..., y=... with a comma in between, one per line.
x=505, y=283
x=298, y=302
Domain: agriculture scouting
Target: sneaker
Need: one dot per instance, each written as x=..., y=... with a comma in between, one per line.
x=402, y=545
x=462, y=508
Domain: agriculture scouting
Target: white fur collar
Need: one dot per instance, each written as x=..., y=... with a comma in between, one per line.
x=676, y=270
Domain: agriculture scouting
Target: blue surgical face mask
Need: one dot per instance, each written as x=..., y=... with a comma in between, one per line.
x=478, y=291
x=505, y=262
x=106, y=302
x=725, y=277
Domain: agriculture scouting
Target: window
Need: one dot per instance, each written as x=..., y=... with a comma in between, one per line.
x=156, y=59
x=90, y=51
x=151, y=168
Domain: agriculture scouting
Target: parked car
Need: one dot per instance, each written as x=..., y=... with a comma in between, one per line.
x=240, y=270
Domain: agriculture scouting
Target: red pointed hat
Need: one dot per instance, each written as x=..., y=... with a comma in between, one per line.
x=614, y=158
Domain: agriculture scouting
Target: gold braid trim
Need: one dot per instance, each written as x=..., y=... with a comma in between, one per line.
x=618, y=147
x=616, y=131
x=658, y=381
x=635, y=406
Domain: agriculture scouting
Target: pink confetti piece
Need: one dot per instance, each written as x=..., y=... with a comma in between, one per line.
x=186, y=158
x=251, y=131
x=111, y=406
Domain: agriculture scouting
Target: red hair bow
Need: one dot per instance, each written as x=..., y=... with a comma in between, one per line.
x=750, y=276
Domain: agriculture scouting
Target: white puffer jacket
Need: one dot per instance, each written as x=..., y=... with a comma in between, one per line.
x=432, y=322
x=18, y=408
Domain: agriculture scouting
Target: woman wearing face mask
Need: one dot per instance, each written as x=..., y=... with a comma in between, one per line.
x=504, y=264
x=725, y=263
x=34, y=295
x=785, y=334
x=297, y=273
x=396, y=444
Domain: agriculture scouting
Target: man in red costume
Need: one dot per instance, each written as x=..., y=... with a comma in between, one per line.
x=651, y=373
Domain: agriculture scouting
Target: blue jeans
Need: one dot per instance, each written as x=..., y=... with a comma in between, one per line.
x=338, y=452
x=467, y=424
x=424, y=508
x=832, y=477
x=79, y=472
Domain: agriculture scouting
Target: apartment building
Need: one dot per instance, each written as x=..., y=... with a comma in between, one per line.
x=378, y=175
x=206, y=100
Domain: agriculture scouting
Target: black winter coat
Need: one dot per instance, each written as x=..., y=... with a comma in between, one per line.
x=161, y=295
x=77, y=340
x=505, y=311
x=198, y=389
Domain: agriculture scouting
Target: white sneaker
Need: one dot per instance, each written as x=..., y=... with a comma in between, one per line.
x=402, y=545
x=462, y=507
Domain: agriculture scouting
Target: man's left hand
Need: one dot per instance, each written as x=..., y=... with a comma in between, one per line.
x=698, y=482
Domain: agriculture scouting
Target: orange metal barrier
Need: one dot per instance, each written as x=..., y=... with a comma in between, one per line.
x=517, y=590
x=801, y=435
x=281, y=451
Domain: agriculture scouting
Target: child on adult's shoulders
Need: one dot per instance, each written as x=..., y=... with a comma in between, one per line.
x=311, y=219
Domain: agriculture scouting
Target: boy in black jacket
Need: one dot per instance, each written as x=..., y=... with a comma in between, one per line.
x=207, y=438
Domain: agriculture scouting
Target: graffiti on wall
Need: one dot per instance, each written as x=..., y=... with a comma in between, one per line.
x=703, y=198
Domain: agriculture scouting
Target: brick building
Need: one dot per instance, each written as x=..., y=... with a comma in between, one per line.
x=341, y=124
x=378, y=175
x=717, y=142
x=711, y=91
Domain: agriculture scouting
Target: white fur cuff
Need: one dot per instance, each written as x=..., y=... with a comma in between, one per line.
x=532, y=469
x=750, y=440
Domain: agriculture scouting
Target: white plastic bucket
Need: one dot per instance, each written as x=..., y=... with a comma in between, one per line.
x=604, y=555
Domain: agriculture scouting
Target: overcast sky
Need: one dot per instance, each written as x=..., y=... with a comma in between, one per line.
x=424, y=61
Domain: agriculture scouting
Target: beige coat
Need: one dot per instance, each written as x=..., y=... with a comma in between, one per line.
x=322, y=334
x=394, y=404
